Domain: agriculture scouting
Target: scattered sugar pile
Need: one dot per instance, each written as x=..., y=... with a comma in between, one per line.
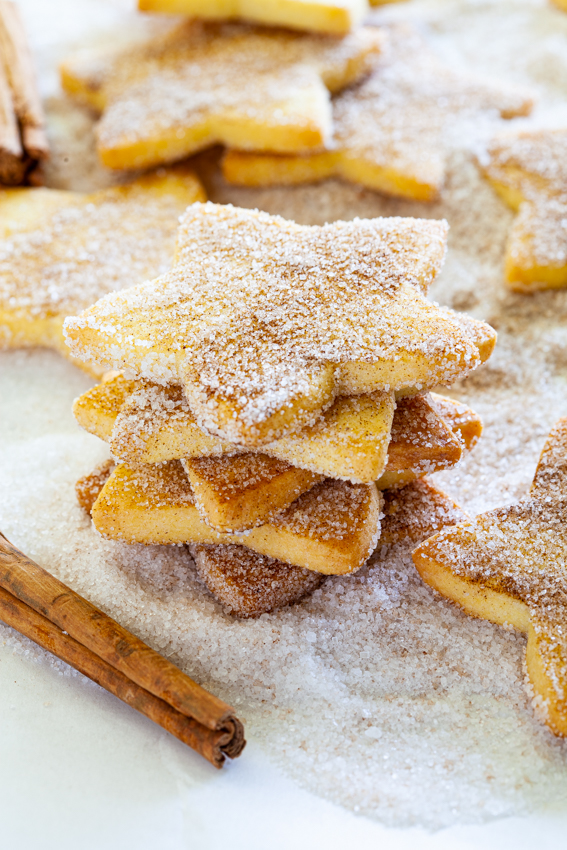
x=373, y=693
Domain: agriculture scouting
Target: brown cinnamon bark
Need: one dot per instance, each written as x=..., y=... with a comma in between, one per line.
x=12, y=168
x=23, y=140
x=37, y=589
x=209, y=744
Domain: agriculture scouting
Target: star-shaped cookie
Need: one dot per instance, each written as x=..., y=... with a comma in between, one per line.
x=510, y=566
x=265, y=321
x=529, y=171
x=61, y=251
x=330, y=16
x=391, y=130
x=203, y=84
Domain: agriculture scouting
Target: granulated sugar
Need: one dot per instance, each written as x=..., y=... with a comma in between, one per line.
x=373, y=693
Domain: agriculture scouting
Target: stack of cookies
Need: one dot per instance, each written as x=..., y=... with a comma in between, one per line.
x=268, y=390
x=271, y=387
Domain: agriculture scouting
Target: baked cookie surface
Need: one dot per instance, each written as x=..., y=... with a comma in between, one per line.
x=148, y=423
x=390, y=131
x=336, y=16
x=331, y=529
x=509, y=566
x=236, y=489
x=529, y=171
x=248, y=583
x=264, y=322
x=359, y=438
x=62, y=251
x=202, y=84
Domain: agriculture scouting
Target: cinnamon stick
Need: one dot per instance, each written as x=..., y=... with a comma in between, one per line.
x=211, y=745
x=12, y=168
x=118, y=649
x=23, y=139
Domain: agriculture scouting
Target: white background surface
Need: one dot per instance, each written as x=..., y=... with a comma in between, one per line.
x=79, y=770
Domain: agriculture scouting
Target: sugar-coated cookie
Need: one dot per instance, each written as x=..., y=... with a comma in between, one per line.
x=61, y=251
x=331, y=529
x=330, y=16
x=202, y=84
x=264, y=322
x=529, y=171
x=509, y=566
x=390, y=130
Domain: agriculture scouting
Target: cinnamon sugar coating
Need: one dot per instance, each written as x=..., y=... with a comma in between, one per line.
x=202, y=84
x=390, y=131
x=529, y=170
x=237, y=492
x=244, y=490
x=155, y=423
x=359, y=438
x=148, y=423
x=89, y=486
x=550, y=479
x=420, y=434
x=236, y=489
x=463, y=420
x=416, y=511
x=509, y=565
x=264, y=321
x=248, y=584
x=331, y=529
x=429, y=433
x=62, y=250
